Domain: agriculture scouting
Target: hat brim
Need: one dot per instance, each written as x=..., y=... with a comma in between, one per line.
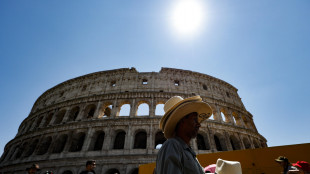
x=166, y=115
x=203, y=109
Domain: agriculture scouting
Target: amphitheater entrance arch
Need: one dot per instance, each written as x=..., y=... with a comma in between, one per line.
x=160, y=109
x=124, y=109
x=234, y=143
x=140, y=140
x=159, y=140
x=220, y=142
x=201, y=143
x=143, y=109
x=119, y=141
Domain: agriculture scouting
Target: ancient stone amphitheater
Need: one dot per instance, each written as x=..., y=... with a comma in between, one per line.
x=81, y=119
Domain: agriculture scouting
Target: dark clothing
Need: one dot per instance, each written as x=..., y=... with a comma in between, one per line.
x=176, y=157
x=88, y=172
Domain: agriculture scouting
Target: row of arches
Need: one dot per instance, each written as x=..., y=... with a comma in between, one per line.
x=98, y=140
x=124, y=108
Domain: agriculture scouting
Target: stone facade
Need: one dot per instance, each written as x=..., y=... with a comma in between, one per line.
x=79, y=119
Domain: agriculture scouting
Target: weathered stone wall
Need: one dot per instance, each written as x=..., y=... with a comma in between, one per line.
x=79, y=119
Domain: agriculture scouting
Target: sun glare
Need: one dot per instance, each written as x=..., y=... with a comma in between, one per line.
x=187, y=17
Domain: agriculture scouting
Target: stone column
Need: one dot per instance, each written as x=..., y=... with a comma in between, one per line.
x=69, y=141
x=81, y=113
x=53, y=117
x=133, y=108
x=107, y=139
x=152, y=107
x=227, y=139
x=128, y=138
x=66, y=116
x=97, y=111
x=217, y=114
x=115, y=109
x=88, y=139
x=150, y=140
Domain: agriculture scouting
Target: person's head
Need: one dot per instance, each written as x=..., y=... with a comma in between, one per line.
x=283, y=161
x=90, y=165
x=33, y=169
x=302, y=166
x=188, y=126
x=182, y=114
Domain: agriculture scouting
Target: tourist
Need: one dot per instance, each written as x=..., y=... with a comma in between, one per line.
x=33, y=169
x=285, y=164
x=180, y=124
x=90, y=166
x=303, y=167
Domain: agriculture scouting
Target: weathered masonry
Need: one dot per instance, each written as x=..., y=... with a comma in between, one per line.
x=83, y=118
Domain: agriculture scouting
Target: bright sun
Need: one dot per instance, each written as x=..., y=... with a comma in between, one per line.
x=187, y=17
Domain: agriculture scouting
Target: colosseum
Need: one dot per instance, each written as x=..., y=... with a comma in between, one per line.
x=83, y=118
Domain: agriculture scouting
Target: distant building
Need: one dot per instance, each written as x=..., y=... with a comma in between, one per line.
x=79, y=120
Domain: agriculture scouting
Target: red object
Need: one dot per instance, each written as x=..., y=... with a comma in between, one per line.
x=305, y=166
x=210, y=168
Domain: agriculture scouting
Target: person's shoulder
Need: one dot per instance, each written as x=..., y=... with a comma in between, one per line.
x=84, y=172
x=171, y=143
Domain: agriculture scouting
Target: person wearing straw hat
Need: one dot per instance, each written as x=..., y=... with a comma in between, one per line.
x=180, y=124
x=285, y=164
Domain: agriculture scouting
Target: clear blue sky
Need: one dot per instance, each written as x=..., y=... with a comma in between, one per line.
x=261, y=47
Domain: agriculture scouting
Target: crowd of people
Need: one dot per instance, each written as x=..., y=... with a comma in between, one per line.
x=180, y=124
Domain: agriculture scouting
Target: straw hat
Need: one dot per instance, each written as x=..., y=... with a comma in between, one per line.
x=227, y=167
x=177, y=107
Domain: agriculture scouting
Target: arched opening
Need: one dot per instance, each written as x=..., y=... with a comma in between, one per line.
x=246, y=143
x=77, y=142
x=59, y=117
x=256, y=145
x=125, y=110
x=44, y=145
x=211, y=117
x=236, y=119
x=61, y=142
x=23, y=150
x=223, y=115
x=140, y=140
x=234, y=143
x=48, y=119
x=31, y=148
x=67, y=172
x=90, y=111
x=205, y=87
x=99, y=141
x=112, y=171
x=159, y=140
x=159, y=109
x=246, y=122
x=74, y=113
x=143, y=110
x=119, y=140
x=106, y=110
x=201, y=143
x=220, y=142
x=135, y=171
x=39, y=122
